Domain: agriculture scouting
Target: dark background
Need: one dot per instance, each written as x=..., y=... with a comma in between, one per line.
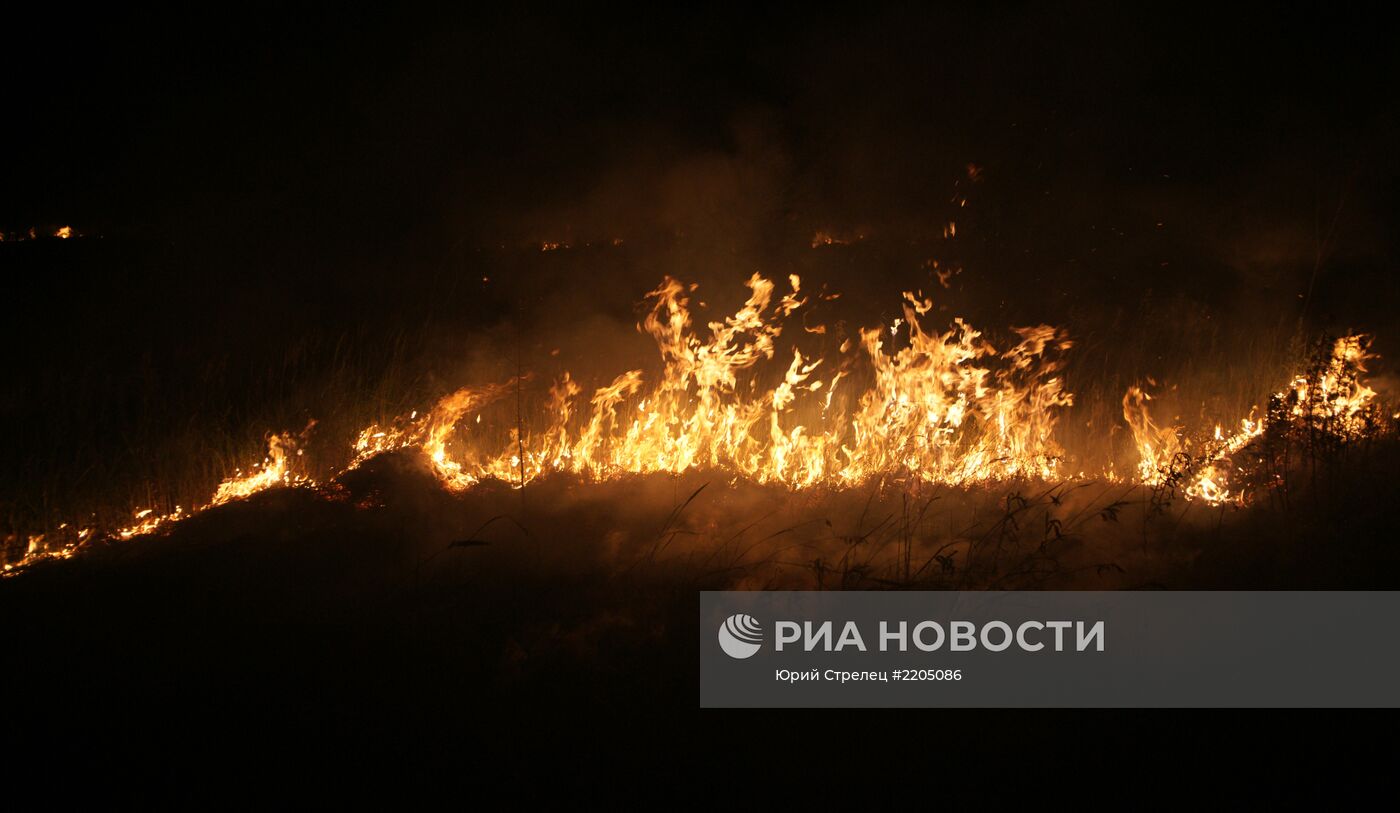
x=289, y=214
x=336, y=214
x=321, y=149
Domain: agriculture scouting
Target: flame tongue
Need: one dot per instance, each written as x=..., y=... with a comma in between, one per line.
x=904, y=401
x=1329, y=400
x=945, y=407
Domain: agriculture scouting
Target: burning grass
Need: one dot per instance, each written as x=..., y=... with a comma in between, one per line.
x=1320, y=419
x=900, y=409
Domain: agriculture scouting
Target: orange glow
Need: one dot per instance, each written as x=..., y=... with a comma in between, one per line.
x=903, y=402
x=1332, y=398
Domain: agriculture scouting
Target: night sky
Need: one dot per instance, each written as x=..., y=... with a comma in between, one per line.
x=1216, y=154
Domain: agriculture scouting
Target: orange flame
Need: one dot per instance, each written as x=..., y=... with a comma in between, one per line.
x=905, y=401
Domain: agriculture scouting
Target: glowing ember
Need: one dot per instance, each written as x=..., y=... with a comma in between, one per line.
x=826, y=238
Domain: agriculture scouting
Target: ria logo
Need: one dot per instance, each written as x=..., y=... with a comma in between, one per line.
x=740, y=636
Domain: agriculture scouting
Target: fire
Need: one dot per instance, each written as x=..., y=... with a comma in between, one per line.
x=38, y=233
x=940, y=407
x=749, y=398
x=274, y=470
x=1157, y=445
x=1335, y=393
x=278, y=468
x=430, y=432
x=1329, y=398
x=823, y=237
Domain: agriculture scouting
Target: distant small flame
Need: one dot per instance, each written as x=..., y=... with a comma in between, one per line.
x=826, y=238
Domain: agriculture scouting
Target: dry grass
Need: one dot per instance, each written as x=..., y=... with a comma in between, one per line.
x=110, y=421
